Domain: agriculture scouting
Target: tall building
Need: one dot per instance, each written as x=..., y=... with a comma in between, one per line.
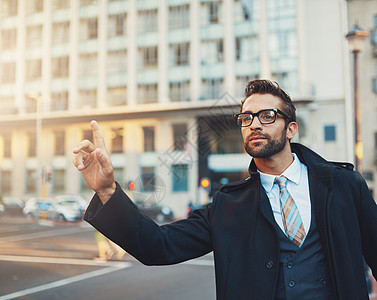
x=163, y=79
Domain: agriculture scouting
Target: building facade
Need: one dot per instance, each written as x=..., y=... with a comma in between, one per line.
x=163, y=79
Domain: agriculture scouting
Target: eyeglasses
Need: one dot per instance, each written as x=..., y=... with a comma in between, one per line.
x=265, y=116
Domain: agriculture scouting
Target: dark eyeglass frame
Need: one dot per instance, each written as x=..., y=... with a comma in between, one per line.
x=275, y=110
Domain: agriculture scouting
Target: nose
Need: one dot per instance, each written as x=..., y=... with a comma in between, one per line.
x=255, y=123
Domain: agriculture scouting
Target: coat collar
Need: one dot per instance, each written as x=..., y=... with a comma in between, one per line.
x=320, y=182
x=317, y=165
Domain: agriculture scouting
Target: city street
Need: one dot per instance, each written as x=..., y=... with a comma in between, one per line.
x=56, y=260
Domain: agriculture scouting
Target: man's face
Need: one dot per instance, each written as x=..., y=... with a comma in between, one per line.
x=264, y=140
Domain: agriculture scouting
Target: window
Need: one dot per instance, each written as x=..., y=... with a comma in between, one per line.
x=60, y=67
x=58, y=180
x=148, y=139
x=211, y=12
x=59, y=4
x=116, y=140
x=88, y=29
x=180, y=178
x=87, y=135
x=117, y=25
x=59, y=101
x=34, y=6
x=241, y=82
x=30, y=181
x=117, y=95
x=31, y=144
x=8, y=105
x=8, y=38
x=374, y=85
x=212, y=51
x=33, y=69
x=179, y=91
x=245, y=48
x=8, y=72
x=88, y=98
x=117, y=61
x=148, y=57
x=179, y=136
x=179, y=16
x=242, y=10
x=330, y=133
x=87, y=64
x=8, y=8
x=60, y=32
x=147, y=20
x=59, y=137
x=6, y=182
x=179, y=54
x=7, y=145
x=30, y=104
x=147, y=179
x=87, y=2
x=212, y=88
x=147, y=93
x=34, y=36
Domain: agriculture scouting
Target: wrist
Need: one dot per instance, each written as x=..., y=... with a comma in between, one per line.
x=106, y=193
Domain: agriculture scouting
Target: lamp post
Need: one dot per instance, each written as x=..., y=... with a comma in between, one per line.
x=356, y=40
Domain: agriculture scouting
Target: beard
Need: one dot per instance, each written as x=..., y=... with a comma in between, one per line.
x=271, y=148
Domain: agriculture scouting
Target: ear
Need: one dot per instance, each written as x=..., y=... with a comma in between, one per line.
x=291, y=130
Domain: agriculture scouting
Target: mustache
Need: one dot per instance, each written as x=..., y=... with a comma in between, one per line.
x=254, y=135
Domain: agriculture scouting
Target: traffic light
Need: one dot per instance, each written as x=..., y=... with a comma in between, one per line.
x=47, y=175
x=131, y=185
x=205, y=183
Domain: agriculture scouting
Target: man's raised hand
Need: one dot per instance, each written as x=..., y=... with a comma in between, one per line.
x=94, y=163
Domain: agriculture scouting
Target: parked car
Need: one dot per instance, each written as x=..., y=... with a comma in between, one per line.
x=156, y=212
x=13, y=205
x=48, y=208
x=73, y=201
x=1, y=209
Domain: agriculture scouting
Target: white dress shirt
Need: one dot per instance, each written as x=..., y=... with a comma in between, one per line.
x=298, y=187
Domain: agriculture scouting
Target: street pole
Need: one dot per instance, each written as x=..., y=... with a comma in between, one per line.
x=356, y=40
x=358, y=140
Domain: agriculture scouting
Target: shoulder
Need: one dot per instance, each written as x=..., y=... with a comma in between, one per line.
x=342, y=165
x=236, y=185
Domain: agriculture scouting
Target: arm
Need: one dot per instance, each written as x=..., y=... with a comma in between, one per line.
x=120, y=220
x=116, y=216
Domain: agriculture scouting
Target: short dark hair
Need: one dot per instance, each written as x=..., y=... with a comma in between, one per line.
x=264, y=86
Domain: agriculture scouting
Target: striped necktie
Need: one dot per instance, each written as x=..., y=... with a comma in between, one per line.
x=292, y=221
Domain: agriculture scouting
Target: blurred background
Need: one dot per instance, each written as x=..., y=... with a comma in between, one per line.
x=163, y=79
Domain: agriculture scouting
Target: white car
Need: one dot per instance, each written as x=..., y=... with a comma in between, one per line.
x=72, y=200
x=48, y=208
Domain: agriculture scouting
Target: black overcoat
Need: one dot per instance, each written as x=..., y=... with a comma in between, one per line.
x=237, y=226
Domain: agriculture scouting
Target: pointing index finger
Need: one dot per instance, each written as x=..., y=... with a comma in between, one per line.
x=98, y=137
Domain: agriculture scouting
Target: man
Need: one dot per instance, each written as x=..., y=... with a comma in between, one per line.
x=297, y=228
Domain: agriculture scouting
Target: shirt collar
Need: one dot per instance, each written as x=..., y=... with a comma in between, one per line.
x=293, y=173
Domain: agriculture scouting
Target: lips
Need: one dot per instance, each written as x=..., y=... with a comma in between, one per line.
x=252, y=137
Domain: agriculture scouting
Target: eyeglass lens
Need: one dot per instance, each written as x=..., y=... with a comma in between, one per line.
x=265, y=117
